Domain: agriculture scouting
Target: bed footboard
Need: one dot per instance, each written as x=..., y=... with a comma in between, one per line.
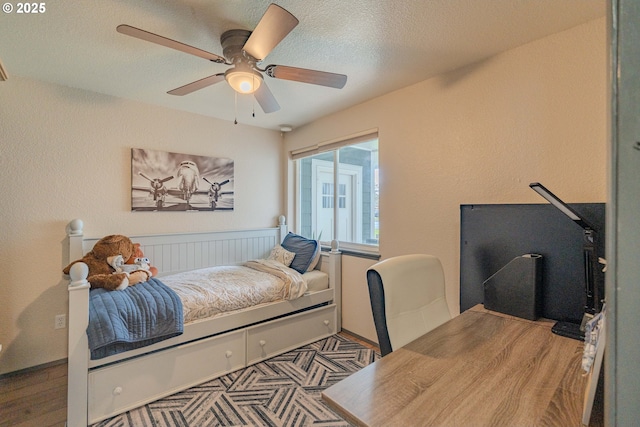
x=78, y=347
x=333, y=267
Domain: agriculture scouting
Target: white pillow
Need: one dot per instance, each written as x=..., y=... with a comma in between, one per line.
x=280, y=254
x=316, y=258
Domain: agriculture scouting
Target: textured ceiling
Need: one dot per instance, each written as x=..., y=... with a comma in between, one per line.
x=380, y=45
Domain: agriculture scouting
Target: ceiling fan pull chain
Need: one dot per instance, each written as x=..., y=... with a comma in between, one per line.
x=235, y=120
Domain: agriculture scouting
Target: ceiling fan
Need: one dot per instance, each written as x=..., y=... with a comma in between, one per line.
x=245, y=50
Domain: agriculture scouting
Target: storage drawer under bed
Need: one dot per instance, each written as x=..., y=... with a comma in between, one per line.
x=115, y=389
x=278, y=336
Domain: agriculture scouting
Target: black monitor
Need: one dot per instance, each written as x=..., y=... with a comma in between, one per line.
x=494, y=234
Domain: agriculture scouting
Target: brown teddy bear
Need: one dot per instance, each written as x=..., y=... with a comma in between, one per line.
x=101, y=273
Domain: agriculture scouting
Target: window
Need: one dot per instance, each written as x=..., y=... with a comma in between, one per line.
x=346, y=211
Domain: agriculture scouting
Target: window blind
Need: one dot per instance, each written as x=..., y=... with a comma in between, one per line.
x=335, y=144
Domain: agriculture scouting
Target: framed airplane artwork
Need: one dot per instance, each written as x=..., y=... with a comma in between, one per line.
x=165, y=181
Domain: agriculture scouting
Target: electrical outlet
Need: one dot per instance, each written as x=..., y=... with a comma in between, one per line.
x=60, y=321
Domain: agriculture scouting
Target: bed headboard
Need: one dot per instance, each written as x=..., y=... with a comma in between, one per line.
x=172, y=253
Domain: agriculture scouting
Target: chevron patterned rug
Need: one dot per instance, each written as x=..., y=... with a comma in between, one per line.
x=283, y=391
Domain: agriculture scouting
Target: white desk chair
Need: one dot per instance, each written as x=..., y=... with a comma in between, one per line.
x=407, y=299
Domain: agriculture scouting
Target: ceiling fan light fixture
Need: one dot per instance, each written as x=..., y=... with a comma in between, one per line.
x=243, y=80
x=244, y=50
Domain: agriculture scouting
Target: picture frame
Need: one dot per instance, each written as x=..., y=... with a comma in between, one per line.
x=168, y=181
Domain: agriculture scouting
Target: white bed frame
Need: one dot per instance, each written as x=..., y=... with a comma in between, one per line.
x=99, y=389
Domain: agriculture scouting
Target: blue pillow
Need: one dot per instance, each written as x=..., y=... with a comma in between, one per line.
x=305, y=249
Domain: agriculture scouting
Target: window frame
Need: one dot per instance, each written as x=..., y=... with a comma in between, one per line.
x=334, y=146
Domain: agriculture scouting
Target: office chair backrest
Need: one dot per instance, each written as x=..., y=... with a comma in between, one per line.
x=407, y=299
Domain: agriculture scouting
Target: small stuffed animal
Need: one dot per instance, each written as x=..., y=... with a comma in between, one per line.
x=101, y=273
x=138, y=258
x=140, y=264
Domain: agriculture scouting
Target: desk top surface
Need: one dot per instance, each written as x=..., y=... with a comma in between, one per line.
x=481, y=368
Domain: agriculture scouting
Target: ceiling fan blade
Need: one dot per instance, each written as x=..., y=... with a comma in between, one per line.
x=303, y=75
x=197, y=85
x=266, y=99
x=274, y=26
x=154, y=38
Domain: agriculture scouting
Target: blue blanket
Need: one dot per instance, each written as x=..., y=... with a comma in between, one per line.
x=138, y=316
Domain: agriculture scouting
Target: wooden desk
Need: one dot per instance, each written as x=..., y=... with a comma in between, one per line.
x=480, y=369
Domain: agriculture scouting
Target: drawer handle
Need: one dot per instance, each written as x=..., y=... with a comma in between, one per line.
x=326, y=323
x=228, y=354
x=262, y=343
x=117, y=391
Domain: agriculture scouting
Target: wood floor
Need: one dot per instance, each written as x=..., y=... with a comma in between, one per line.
x=38, y=397
x=35, y=398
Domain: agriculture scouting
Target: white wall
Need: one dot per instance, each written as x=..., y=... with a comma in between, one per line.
x=357, y=317
x=64, y=154
x=481, y=134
